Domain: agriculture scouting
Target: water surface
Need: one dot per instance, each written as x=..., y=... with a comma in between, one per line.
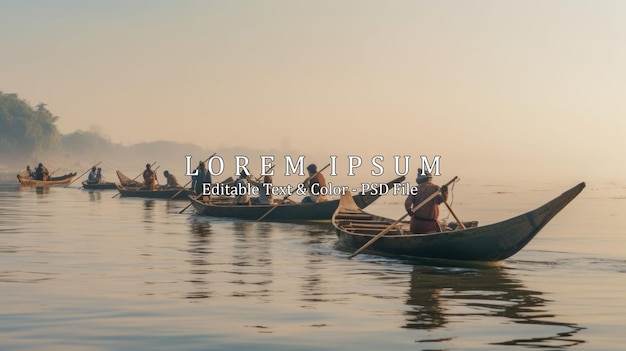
x=80, y=270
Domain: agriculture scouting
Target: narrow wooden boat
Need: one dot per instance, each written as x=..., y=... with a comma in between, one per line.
x=25, y=179
x=159, y=193
x=282, y=212
x=493, y=242
x=99, y=186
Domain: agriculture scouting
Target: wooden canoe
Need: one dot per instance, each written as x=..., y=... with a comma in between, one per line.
x=25, y=179
x=493, y=242
x=98, y=186
x=159, y=193
x=318, y=211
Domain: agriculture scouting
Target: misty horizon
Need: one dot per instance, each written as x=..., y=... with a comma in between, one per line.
x=471, y=82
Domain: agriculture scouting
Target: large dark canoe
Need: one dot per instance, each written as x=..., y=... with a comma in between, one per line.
x=155, y=194
x=493, y=242
x=25, y=179
x=99, y=186
x=318, y=211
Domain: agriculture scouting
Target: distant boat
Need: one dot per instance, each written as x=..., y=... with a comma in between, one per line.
x=124, y=181
x=290, y=211
x=494, y=242
x=25, y=179
x=159, y=193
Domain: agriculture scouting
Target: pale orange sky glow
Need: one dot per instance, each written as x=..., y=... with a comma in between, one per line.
x=496, y=87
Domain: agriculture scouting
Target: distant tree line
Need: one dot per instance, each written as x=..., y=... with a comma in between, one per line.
x=25, y=130
x=29, y=135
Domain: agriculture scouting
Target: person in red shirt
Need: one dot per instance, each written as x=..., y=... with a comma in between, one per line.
x=424, y=219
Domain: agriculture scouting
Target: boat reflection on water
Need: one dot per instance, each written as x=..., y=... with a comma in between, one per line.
x=42, y=190
x=199, y=250
x=439, y=296
x=95, y=196
x=39, y=190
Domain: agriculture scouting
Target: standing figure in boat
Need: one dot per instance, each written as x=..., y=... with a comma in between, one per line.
x=196, y=180
x=149, y=178
x=314, y=184
x=425, y=218
x=41, y=173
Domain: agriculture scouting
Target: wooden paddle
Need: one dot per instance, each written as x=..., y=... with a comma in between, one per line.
x=53, y=172
x=394, y=224
x=185, y=186
x=454, y=215
x=68, y=184
x=132, y=180
x=286, y=197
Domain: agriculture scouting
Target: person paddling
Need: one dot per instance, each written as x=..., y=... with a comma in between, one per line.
x=41, y=173
x=149, y=178
x=424, y=219
x=314, y=184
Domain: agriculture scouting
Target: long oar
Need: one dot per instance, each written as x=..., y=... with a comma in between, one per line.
x=132, y=180
x=454, y=215
x=285, y=198
x=154, y=171
x=49, y=175
x=394, y=224
x=53, y=172
x=190, y=203
x=82, y=174
x=185, y=186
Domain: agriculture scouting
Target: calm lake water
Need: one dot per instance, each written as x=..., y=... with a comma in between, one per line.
x=80, y=270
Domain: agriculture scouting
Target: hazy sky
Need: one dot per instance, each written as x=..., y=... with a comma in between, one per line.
x=494, y=87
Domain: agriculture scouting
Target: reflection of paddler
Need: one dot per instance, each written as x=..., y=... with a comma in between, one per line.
x=439, y=294
x=426, y=311
x=149, y=177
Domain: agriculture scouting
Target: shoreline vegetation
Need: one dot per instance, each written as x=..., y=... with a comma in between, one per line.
x=29, y=135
